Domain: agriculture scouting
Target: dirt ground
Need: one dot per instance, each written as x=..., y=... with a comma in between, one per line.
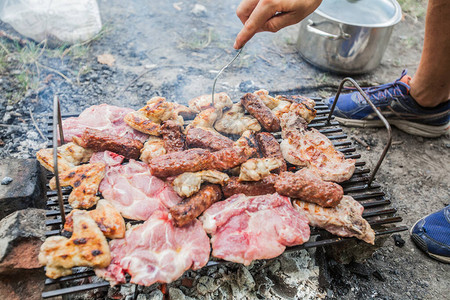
x=169, y=49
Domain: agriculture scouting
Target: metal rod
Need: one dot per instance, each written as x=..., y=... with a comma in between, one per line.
x=56, y=120
x=382, y=118
x=220, y=72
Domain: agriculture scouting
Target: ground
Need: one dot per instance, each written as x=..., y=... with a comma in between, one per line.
x=167, y=49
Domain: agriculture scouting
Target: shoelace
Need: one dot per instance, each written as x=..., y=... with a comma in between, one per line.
x=381, y=93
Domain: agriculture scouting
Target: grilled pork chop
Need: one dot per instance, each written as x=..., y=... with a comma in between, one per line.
x=312, y=149
x=247, y=228
x=87, y=247
x=343, y=220
x=104, y=117
x=157, y=251
x=134, y=192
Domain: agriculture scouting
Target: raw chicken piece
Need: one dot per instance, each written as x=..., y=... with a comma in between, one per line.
x=104, y=117
x=157, y=251
x=247, y=228
x=189, y=183
x=107, y=218
x=69, y=156
x=85, y=180
x=343, y=220
x=135, y=193
x=87, y=247
x=256, y=169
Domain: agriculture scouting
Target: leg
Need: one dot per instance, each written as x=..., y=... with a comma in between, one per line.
x=430, y=85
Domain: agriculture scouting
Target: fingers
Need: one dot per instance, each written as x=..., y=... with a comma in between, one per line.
x=282, y=20
x=245, y=9
x=258, y=17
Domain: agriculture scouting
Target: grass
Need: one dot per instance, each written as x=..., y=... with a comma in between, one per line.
x=198, y=41
x=414, y=8
x=23, y=63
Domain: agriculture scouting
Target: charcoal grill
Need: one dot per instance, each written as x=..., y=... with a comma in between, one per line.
x=361, y=186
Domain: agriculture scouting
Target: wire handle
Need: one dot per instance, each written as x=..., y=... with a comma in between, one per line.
x=382, y=118
x=57, y=122
x=220, y=72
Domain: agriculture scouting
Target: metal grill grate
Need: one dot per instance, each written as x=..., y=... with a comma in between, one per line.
x=377, y=209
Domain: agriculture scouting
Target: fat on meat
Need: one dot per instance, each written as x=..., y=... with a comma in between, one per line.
x=104, y=117
x=247, y=228
x=157, y=251
x=135, y=193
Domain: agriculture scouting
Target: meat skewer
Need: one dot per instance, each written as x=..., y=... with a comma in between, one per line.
x=100, y=141
x=190, y=208
x=174, y=139
x=249, y=188
x=308, y=186
x=261, y=112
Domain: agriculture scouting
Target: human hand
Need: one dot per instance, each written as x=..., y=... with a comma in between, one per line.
x=270, y=15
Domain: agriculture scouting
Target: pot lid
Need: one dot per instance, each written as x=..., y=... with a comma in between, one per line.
x=365, y=13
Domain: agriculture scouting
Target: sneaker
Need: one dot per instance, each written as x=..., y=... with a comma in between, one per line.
x=432, y=235
x=399, y=108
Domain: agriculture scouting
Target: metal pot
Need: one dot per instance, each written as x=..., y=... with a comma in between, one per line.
x=348, y=36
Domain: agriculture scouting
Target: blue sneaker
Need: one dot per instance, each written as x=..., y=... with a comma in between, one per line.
x=432, y=235
x=399, y=108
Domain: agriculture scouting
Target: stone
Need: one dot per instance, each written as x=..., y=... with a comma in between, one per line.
x=198, y=10
x=6, y=180
x=156, y=295
x=206, y=285
x=27, y=188
x=176, y=294
x=21, y=236
x=245, y=278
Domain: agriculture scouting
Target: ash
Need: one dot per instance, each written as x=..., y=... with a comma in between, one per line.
x=289, y=276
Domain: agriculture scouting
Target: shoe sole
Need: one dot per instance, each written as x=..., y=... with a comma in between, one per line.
x=406, y=126
x=422, y=246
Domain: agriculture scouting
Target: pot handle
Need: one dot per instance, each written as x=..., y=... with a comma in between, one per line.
x=342, y=35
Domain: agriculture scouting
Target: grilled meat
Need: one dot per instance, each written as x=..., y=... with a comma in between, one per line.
x=98, y=141
x=229, y=158
x=268, y=100
x=256, y=169
x=205, y=139
x=310, y=148
x=107, y=218
x=69, y=156
x=87, y=247
x=249, y=188
x=153, y=147
x=200, y=103
x=269, y=147
x=190, y=208
x=176, y=163
x=306, y=185
x=85, y=180
x=184, y=111
x=149, y=118
x=173, y=137
x=300, y=105
x=233, y=121
x=247, y=228
x=261, y=112
x=343, y=220
x=189, y=183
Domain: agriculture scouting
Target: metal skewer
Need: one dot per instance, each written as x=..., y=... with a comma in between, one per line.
x=57, y=122
x=220, y=72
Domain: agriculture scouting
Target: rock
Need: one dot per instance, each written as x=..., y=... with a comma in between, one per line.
x=21, y=236
x=245, y=278
x=27, y=188
x=156, y=295
x=399, y=242
x=206, y=285
x=198, y=10
x=6, y=180
x=176, y=294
